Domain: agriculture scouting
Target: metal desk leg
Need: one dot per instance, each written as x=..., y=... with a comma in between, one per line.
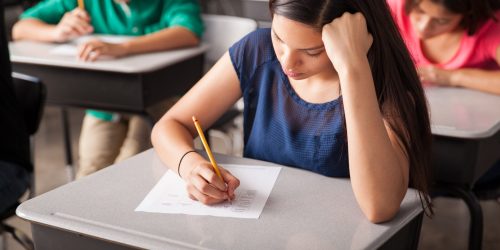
x=476, y=214
x=67, y=145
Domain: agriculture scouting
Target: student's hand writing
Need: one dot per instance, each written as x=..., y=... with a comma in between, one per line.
x=205, y=186
x=73, y=24
x=434, y=75
x=347, y=40
x=93, y=49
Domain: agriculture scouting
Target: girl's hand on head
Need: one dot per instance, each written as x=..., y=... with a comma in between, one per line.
x=435, y=76
x=205, y=186
x=73, y=24
x=93, y=49
x=347, y=40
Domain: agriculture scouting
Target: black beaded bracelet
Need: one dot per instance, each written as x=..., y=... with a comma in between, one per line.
x=180, y=161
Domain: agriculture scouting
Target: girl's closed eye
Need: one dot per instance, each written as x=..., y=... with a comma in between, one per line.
x=441, y=21
x=314, y=54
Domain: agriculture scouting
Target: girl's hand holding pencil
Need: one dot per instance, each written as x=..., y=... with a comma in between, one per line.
x=74, y=24
x=206, y=181
x=205, y=186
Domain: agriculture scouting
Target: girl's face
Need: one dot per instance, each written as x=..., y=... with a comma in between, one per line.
x=299, y=49
x=432, y=19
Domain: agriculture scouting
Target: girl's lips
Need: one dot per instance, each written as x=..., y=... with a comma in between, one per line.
x=292, y=74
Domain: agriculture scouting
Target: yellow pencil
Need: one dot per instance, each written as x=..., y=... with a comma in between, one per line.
x=81, y=5
x=207, y=147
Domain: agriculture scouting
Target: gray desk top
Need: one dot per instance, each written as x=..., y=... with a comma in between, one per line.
x=304, y=211
x=39, y=53
x=463, y=113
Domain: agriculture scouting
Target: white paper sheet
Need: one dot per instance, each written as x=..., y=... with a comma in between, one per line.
x=71, y=48
x=169, y=195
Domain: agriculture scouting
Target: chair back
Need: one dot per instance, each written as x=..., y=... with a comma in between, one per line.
x=30, y=93
x=221, y=32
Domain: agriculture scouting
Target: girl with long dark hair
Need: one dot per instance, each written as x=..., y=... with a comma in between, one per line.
x=329, y=88
x=455, y=43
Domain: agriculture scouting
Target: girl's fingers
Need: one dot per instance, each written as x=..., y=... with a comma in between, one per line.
x=94, y=55
x=81, y=50
x=86, y=52
x=191, y=196
x=81, y=14
x=232, y=182
x=80, y=26
x=208, y=173
x=201, y=197
x=91, y=50
x=207, y=189
x=67, y=32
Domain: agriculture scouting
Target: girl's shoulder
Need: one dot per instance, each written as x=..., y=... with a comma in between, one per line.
x=252, y=51
x=488, y=35
x=396, y=7
x=255, y=42
x=490, y=27
x=489, y=32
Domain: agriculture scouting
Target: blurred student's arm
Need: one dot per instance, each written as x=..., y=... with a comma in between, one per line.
x=72, y=24
x=170, y=38
x=485, y=80
x=479, y=79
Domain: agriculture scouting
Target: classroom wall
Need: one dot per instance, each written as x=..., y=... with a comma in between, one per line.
x=257, y=10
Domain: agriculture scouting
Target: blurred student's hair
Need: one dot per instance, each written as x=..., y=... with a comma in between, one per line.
x=474, y=12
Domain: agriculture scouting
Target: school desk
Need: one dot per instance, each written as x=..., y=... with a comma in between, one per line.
x=304, y=211
x=466, y=130
x=130, y=84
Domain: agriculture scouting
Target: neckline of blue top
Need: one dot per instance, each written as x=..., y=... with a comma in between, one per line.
x=318, y=106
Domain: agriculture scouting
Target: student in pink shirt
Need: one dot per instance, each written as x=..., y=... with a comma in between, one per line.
x=453, y=42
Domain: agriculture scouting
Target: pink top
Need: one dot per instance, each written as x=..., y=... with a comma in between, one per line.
x=476, y=51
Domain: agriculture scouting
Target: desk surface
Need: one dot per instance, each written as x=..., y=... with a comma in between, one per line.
x=304, y=211
x=40, y=53
x=463, y=113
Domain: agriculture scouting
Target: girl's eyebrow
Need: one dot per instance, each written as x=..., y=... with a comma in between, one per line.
x=312, y=48
x=315, y=48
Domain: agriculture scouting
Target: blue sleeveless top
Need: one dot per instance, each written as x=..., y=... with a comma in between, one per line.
x=279, y=126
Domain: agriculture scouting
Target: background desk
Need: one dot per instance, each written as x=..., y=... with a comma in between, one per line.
x=130, y=84
x=466, y=128
x=304, y=211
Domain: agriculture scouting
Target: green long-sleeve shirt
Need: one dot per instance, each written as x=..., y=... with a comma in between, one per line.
x=108, y=17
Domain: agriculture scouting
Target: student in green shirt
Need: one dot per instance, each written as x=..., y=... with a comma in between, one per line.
x=157, y=24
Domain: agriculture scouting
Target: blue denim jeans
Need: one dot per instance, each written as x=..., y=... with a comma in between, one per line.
x=14, y=180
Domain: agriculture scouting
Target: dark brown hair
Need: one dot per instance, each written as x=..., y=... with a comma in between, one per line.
x=474, y=12
x=399, y=91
